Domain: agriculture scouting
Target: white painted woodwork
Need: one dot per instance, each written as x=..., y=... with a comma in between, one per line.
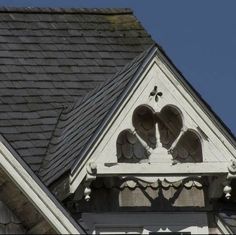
x=217, y=146
x=162, y=169
x=144, y=223
x=37, y=194
x=222, y=226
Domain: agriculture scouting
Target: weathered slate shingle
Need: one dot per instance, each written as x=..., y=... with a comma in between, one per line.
x=77, y=126
x=49, y=59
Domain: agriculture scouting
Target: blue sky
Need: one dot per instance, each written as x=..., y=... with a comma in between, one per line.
x=199, y=37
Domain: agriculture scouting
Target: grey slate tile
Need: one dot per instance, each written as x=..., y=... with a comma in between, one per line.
x=77, y=127
x=50, y=61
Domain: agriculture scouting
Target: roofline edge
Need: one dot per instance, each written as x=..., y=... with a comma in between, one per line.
x=35, y=190
x=150, y=55
x=203, y=104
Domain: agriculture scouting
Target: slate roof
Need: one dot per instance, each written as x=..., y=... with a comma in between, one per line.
x=77, y=127
x=50, y=59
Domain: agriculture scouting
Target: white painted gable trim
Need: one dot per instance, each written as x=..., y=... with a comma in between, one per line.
x=221, y=136
x=222, y=226
x=186, y=87
x=116, y=109
x=201, y=109
x=79, y=171
x=37, y=193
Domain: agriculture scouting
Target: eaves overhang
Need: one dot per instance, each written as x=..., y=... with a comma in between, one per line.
x=31, y=186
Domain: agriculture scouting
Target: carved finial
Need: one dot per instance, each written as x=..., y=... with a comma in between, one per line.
x=91, y=175
x=227, y=189
x=87, y=192
x=158, y=137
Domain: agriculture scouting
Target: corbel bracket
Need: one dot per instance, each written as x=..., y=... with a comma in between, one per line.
x=90, y=177
x=231, y=175
x=232, y=170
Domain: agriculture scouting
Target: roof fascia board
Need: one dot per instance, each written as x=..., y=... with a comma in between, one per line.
x=36, y=192
x=222, y=226
x=147, y=64
x=208, y=114
x=194, y=95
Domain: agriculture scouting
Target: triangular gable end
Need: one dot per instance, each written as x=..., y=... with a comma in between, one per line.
x=161, y=129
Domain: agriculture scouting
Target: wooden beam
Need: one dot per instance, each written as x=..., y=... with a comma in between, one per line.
x=161, y=169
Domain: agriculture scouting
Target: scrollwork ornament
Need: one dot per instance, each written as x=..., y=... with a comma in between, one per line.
x=232, y=168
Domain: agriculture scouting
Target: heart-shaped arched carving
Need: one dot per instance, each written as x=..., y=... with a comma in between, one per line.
x=158, y=130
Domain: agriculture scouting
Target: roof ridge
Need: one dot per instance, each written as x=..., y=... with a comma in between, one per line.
x=59, y=10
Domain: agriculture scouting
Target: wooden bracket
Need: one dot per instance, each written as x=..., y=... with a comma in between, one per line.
x=160, y=170
x=231, y=175
x=90, y=177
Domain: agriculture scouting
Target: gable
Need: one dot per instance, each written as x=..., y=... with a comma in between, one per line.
x=124, y=149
